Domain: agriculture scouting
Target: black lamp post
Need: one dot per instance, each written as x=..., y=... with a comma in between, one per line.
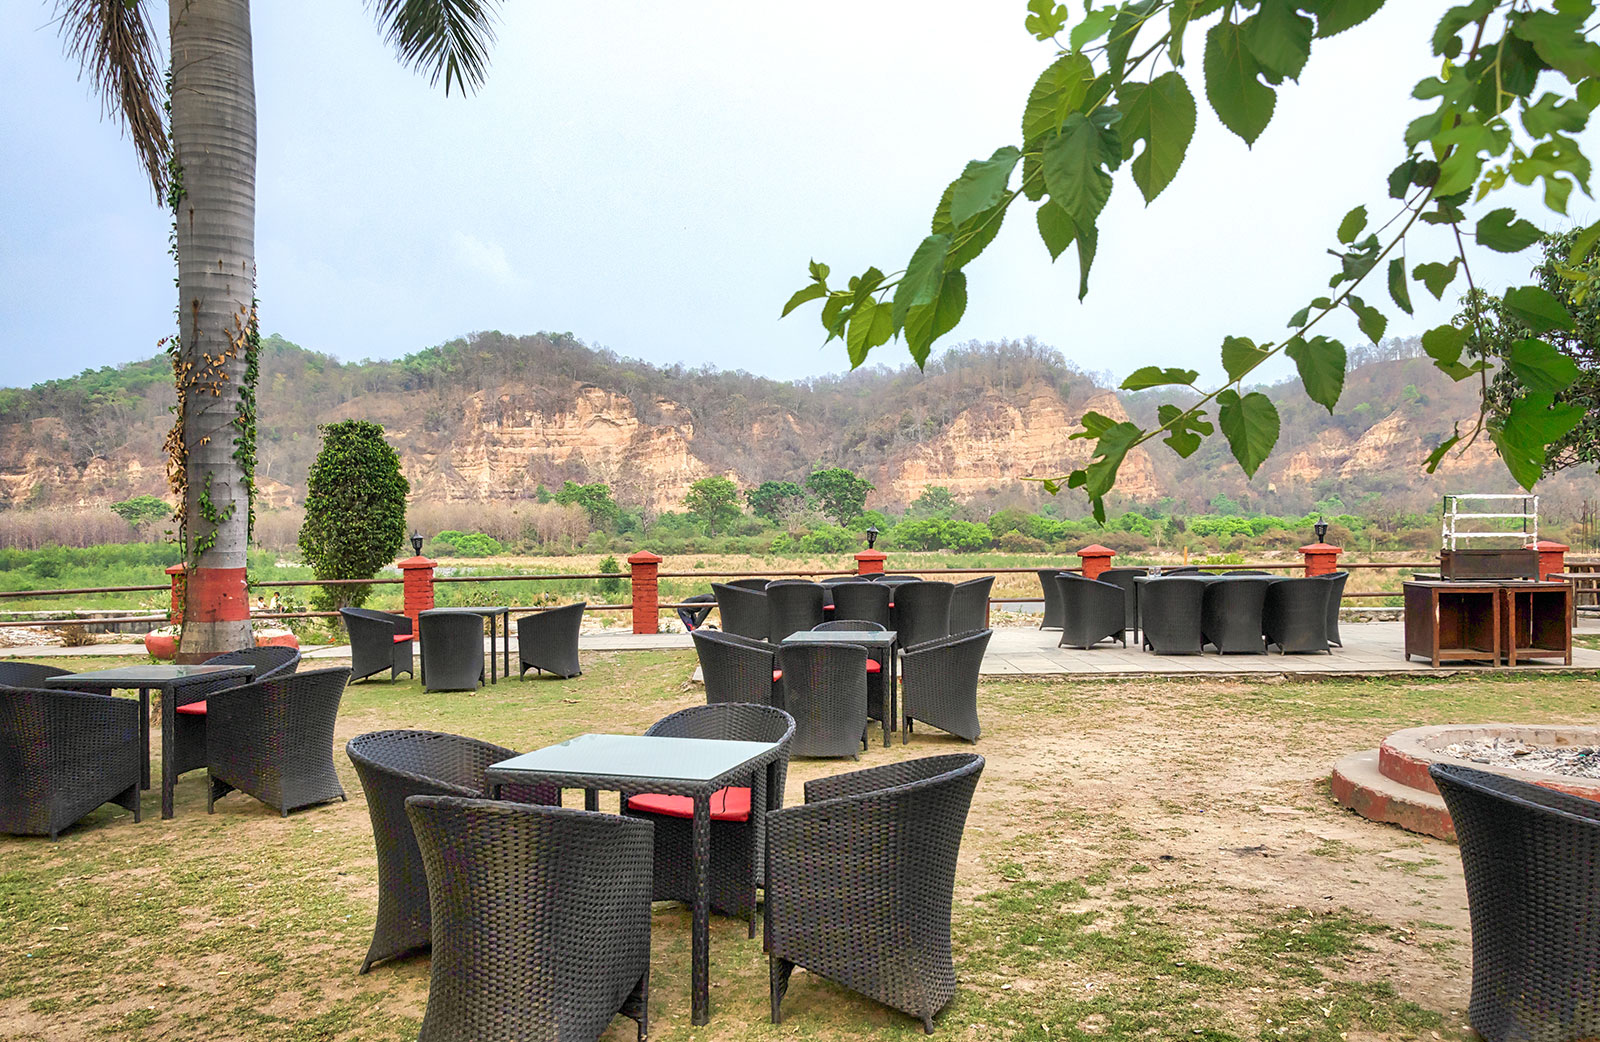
x=416, y=542
x=1321, y=528
x=872, y=535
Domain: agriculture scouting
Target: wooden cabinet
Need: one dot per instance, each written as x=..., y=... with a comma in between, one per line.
x=1538, y=621
x=1453, y=621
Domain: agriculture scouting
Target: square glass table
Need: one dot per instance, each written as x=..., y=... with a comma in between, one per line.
x=168, y=680
x=491, y=614
x=628, y=764
x=872, y=640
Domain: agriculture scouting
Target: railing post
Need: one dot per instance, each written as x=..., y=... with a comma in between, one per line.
x=177, y=571
x=644, y=567
x=1320, y=558
x=1552, y=557
x=1096, y=559
x=418, y=573
x=870, y=562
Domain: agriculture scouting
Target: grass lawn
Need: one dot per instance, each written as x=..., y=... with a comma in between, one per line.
x=1144, y=859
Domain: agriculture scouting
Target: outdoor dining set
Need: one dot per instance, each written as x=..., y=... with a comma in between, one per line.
x=451, y=643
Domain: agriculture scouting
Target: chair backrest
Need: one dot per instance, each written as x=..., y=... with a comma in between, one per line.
x=899, y=579
x=864, y=601
x=922, y=611
x=28, y=674
x=1052, y=597
x=452, y=650
x=792, y=606
x=734, y=668
x=743, y=611
x=824, y=688
x=748, y=584
x=1124, y=577
x=401, y=623
x=727, y=722
x=858, y=625
x=270, y=661
x=1295, y=616
x=1335, y=581
x=969, y=605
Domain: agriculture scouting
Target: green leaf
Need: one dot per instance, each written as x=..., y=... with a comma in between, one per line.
x=926, y=323
x=1178, y=22
x=1184, y=430
x=924, y=274
x=1537, y=308
x=1437, y=277
x=1583, y=244
x=1299, y=318
x=1445, y=36
x=1094, y=424
x=1240, y=355
x=1060, y=89
x=1497, y=232
x=1399, y=289
x=1540, y=367
x=1056, y=228
x=1250, y=424
x=1335, y=16
x=1369, y=318
x=871, y=324
x=1109, y=452
x=1129, y=21
x=811, y=292
x=1241, y=100
x=1155, y=376
x=834, y=314
x=973, y=237
x=819, y=271
x=1074, y=162
x=1352, y=225
x=1279, y=37
x=1527, y=430
x=982, y=184
x=1444, y=345
x=1437, y=456
x=1088, y=239
x=1095, y=24
x=1160, y=113
x=1551, y=114
x=1045, y=19
x=1321, y=362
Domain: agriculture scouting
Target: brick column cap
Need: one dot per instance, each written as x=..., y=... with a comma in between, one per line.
x=644, y=557
x=1321, y=548
x=415, y=562
x=1550, y=546
x=177, y=569
x=872, y=555
x=1096, y=550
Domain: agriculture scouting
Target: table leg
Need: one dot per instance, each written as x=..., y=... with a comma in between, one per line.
x=891, y=707
x=591, y=799
x=144, y=731
x=168, y=724
x=505, y=644
x=700, y=969
x=494, y=675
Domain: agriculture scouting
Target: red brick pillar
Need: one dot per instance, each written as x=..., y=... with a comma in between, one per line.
x=646, y=595
x=1552, y=557
x=870, y=562
x=1096, y=559
x=418, y=572
x=1321, y=559
x=177, y=571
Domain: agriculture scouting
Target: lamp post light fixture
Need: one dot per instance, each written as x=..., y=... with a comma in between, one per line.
x=1321, y=528
x=872, y=535
x=416, y=542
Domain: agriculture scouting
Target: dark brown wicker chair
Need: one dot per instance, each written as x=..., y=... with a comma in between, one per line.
x=1052, y=598
x=274, y=740
x=869, y=601
x=452, y=650
x=736, y=669
x=824, y=687
x=793, y=605
x=1169, y=614
x=969, y=605
x=548, y=640
x=541, y=920
x=737, y=849
x=1532, y=861
x=63, y=754
x=743, y=611
x=860, y=879
x=379, y=640
x=941, y=683
x=1230, y=614
x=189, y=706
x=28, y=674
x=1091, y=611
x=877, y=666
x=922, y=611
x=1295, y=616
x=1124, y=579
x=393, y=765
x=1335, y=581
x=757, y=585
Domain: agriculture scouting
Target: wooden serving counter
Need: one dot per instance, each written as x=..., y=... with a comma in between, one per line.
x=1509, y=620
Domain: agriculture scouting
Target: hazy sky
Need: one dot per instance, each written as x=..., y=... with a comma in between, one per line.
x=653, y=177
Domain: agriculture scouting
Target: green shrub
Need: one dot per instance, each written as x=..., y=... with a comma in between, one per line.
x=451, y=543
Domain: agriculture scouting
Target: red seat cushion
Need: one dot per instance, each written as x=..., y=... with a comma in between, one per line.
x=827, y=607
x=777, y=675
x=401, y=638
x=874, y=667
x=191, y=708
x=729, y=804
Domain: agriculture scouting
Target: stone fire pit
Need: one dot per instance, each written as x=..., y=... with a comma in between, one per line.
x=1391, y=783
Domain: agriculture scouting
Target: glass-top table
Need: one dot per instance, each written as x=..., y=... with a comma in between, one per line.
x=872, y=640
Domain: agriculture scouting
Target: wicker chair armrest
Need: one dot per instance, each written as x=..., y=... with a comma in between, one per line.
x=877, y=779
x=944, y=642
x=91, y=726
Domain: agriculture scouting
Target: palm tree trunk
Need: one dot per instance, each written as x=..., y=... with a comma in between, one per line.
x=214, y=144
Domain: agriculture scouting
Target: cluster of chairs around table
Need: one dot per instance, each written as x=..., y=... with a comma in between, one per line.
x=1184, y=610
x=451, y=642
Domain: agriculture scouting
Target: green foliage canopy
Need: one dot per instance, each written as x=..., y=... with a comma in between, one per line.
x=771, y=499
x=841, y=493
x=596, y=501
x=714, y=502
x=141, y=510
x=1517, y=79
x=355, y=510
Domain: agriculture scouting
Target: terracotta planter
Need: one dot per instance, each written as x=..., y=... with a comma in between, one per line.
x=277, y=639
x=161, y=645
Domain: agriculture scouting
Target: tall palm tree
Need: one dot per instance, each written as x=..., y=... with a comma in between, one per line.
x=202, y=159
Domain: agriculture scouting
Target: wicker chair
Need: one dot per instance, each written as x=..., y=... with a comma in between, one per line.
x=1052, y=598
x=273, y=739
x=793, y=605
x=1124, y=578
x=738, y=849
x=28, y=674
x=62, y=754
x=1231, y=613
x=922, y=611
x=736, y=669
x=743, y=611
x=969, y=605
x=695, y=617
x=1091, y=611
x=1295, y=616
x=393, y=765
x=541, y=920
x=1169, y=615
x=1335, y=581
x=941, y=681
x=876, y=661
x=824, y=687
x=452, y=651
x=758, y=585
x=189, y=706
x=547, y=641
x=1532, y=861
x=379, y=640
x=869, y=601
x=860, y=880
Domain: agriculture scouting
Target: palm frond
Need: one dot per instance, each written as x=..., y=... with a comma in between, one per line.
x=448, y=38
x=113, y=44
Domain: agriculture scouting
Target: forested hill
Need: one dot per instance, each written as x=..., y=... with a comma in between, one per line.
x=491, y=417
